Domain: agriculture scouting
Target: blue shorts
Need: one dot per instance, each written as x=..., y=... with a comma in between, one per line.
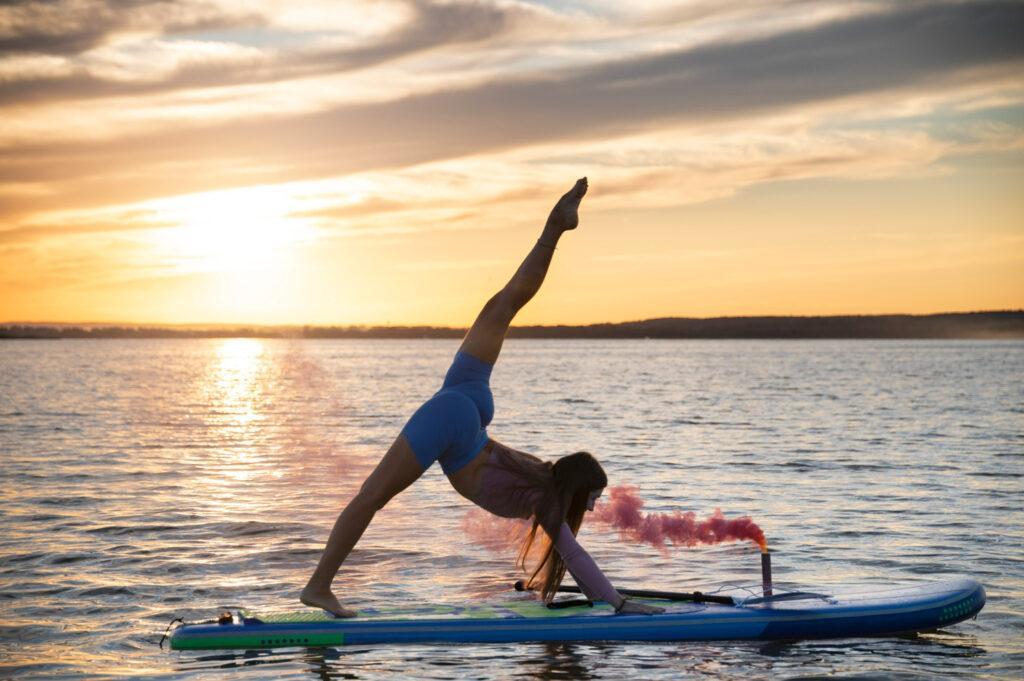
x=450, y=427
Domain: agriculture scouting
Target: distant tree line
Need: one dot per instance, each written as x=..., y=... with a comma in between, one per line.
x=1008, y=324
x=977, y=325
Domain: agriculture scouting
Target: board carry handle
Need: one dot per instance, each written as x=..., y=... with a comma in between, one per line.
x=694, y=597
x=571, y=603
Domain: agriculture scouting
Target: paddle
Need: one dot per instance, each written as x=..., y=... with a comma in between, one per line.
x=696, y=596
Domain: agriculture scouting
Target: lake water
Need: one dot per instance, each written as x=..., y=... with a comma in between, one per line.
x=144, y=480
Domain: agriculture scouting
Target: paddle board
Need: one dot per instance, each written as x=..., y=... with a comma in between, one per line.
x=874, y=612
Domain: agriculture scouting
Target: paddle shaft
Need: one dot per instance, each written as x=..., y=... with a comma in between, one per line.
x=696, y=596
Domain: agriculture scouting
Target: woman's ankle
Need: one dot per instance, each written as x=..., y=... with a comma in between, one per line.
x=550, y=235
x=316, y=586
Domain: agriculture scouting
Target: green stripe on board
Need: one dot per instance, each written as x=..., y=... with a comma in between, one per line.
x=257, y=641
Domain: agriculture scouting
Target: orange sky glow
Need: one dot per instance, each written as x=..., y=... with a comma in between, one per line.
x=392, y=162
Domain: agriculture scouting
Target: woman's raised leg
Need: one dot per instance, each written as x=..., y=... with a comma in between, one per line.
x=485, y=337
x=396, y=471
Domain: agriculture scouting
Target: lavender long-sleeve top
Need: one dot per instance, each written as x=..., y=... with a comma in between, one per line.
x=499, y=494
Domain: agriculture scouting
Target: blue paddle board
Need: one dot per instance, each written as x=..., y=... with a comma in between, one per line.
x=874, y=612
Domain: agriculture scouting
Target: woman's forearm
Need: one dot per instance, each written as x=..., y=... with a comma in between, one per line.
x=584, y=570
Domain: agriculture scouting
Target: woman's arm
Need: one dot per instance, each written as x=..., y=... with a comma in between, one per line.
x=584, y=570
x=591, y=580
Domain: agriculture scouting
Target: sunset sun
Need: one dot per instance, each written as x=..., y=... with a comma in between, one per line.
x=229, y=231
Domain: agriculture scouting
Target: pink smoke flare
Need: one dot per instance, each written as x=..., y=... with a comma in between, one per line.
x=622, y=512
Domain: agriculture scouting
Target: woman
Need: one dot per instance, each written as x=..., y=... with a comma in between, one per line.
x=449, y=428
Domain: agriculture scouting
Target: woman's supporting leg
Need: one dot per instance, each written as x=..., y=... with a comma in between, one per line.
x=396, y=471
x=485, y=337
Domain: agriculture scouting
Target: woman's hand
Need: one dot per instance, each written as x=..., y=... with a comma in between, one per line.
x=629, y=607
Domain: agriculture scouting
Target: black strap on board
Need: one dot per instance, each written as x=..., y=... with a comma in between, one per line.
x=571, y=603
x=693, y=597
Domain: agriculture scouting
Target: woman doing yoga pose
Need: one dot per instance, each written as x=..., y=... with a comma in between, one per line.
x=450, y=428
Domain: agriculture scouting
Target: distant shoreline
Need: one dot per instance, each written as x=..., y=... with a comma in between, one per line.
x=995, y=325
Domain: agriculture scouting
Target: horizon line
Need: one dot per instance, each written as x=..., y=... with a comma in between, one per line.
x=391, y=325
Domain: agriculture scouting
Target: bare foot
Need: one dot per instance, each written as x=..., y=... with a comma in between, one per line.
x=325, y=600
x=564, y=215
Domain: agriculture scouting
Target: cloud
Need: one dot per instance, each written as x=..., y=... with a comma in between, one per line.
x=70, y=27
x=340, y=211
x=125, y=221
x=453, y=265
x=912, y=47
x=429, y=25
x=915, y=49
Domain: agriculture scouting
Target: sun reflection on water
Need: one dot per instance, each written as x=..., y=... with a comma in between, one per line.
x=235, y=389
x=236, y=379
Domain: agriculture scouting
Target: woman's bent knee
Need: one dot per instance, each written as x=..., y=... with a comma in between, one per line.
x=397, y=470
x=502, y=307
x=371, y=498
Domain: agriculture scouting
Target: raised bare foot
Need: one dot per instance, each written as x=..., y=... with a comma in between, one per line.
x=325, y=600
x=564, y=215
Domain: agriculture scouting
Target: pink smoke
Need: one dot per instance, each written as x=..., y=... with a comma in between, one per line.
x=494, y=533
x=622, y=512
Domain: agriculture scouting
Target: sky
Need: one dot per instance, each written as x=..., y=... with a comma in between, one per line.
x=391, y=162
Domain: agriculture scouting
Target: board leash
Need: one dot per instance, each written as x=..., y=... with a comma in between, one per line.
x=171, y=624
